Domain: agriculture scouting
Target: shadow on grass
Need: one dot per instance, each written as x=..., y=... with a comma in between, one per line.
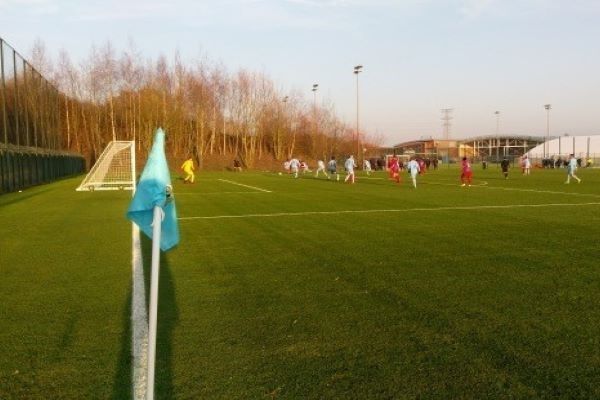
x=13, y=197
x=122, y=386
x=168, y=315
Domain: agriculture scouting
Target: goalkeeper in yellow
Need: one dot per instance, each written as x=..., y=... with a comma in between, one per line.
x=188, y=168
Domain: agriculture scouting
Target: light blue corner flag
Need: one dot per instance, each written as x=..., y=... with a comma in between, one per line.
x=154, y=189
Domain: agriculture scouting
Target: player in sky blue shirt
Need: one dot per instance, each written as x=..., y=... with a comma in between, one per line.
x=571, y=168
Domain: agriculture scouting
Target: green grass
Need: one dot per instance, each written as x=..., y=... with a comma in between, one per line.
x=445, y=303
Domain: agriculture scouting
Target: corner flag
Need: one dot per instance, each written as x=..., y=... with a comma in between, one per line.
x=154, y=189
x=153, y=210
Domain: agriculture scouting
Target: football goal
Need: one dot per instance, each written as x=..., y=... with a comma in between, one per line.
x=114, y=170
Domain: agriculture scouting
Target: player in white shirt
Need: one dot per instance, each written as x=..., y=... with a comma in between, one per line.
x=321, y=168
x=304, y=167
x=526, y=164
x=294, y=166
x=350, y=165
x=413, y=167
x=367, y=167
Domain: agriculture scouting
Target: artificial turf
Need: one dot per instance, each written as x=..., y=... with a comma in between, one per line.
x=428, y=294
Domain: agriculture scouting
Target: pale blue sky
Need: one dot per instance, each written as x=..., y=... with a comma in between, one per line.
x=419, y=56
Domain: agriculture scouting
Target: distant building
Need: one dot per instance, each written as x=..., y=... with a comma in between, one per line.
x=430, y=148
x=581, y=146
x=481, y=147
x=492, y=147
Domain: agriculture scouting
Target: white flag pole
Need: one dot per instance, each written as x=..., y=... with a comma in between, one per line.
x=153, y=309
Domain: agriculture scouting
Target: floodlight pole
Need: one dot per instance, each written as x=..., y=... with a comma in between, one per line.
x=153, y=309
x=314, y=89
x=560, y=144
x=2, y=95
x=358, y=70
x=548, y=107
x=285, y=117
x=497, y=113
x=588, y=150
x=278, y=143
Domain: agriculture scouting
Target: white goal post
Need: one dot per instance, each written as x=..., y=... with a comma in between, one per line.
x=114, y=170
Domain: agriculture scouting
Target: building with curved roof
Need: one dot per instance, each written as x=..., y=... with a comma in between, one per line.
x=489, y=147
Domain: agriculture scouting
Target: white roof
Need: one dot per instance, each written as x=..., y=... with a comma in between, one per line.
x=564, y=146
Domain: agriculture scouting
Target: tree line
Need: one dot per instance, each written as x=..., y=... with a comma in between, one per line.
x=208, y=112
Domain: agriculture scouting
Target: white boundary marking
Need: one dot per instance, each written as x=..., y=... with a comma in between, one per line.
x=248, y=186
x=139, y=319
x=485, y=184
x=203, y=193
x=459, y=208
x=544, y=191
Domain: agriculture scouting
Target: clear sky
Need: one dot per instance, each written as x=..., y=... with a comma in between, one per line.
x=419, y=56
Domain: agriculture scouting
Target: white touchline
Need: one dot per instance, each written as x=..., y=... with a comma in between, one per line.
x=459, y=208
x=139, y=320
x=202, y=194
x=485, y=185
x=543, y=191
x=248, y=186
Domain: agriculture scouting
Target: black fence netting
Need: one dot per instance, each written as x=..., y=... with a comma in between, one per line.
x=19, y=170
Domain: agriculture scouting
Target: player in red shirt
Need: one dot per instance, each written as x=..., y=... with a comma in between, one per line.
x=422, y=166
x=467, y=172
x=394, y=168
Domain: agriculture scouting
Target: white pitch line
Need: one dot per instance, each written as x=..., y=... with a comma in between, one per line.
x=202, y=194
x=544, y=191
x=485, y=184
x=248, y=186
x=139, y=320
x=463, y=208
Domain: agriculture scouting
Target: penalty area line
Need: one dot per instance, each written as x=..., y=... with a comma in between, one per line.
x=247, y=186
x=457, y=208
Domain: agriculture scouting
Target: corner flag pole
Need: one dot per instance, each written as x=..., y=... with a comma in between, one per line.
x=153, y=210
x=153, y=309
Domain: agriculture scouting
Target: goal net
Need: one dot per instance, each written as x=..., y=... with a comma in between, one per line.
x=114, y=170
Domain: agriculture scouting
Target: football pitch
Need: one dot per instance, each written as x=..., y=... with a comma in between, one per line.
x=310, y=288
